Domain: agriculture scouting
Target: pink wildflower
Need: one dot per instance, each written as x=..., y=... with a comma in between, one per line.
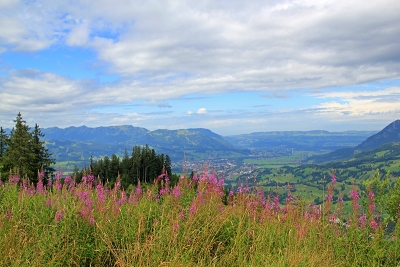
x=231, y=193
x=182, y=214
x=362, y=221
x=374, y=225
x=176, y=191
x=354, y=195
x=59, y=216
x=193, y=209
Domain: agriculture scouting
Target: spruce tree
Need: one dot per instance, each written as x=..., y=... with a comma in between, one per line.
x=19, y=155
x=42, y=160
x=3, y=143
x=26, y=153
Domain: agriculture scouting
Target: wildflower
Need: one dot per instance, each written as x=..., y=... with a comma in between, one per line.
x=163, y=191
x=14, y=179
x=90, y=178
x=40, y=187
x=67, y=179
x=182, y=214
x=91, y=220
x=374, y=225
x=354, y=195
x=88, y=203
x=176, y=191
x=59, y=216
x=333, y=219
x=9, y=215
x=49, y=203
x=362, y=221
x=276, y=203
x=193, y=209
x=175, y=227
x=231, y=193
x=139, y=191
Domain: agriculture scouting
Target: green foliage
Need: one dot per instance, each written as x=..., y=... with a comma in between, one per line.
x=144, y=165
x=387, y=194
x=25, y=152
x=84, y=224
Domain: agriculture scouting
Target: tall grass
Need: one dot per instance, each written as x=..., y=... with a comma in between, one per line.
x=195, y=223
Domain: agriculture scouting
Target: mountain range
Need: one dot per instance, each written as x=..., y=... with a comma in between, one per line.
x=379, y=141
x=80, y=143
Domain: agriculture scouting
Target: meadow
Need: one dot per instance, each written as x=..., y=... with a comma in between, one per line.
x=196, y=222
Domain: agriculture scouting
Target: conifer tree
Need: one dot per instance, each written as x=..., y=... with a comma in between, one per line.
x=42, y=160
x=26, y=152
x=3, y=143
x=18, y=155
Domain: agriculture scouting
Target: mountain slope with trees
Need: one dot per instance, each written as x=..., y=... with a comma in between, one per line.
x=389, y=134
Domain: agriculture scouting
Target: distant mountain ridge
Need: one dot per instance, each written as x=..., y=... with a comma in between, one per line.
x=389, y=134
x=195, y=143
x=316, y=140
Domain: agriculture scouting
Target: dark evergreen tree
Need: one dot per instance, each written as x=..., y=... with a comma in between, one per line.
x=3, y=143
x=114, y=168
x=26, y=153
x=42, y=157
x=19, y=154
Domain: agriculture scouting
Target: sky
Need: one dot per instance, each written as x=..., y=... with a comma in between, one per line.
x=233, y=67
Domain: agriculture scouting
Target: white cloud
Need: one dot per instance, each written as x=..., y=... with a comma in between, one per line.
x=377, y=104
x=79, y=35
x=189, y=113
x=202, y=111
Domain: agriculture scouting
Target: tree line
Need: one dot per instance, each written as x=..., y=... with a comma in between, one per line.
x=23, y=152
x=143, y=165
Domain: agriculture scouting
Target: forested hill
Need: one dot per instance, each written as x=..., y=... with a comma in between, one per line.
x=390, y=134
x=78, y=143
x=300, y=140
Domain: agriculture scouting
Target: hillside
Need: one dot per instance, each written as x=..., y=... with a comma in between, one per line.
x=300, y=140
x=389, y=134
x=79, y=143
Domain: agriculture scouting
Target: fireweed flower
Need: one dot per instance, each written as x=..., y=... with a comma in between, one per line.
x=354, y=195
x=176, y=191
x=231, y=193
x=14, y=179
x=362, y=221
x=193, y=209
x=182, y=214
x=139, y=191
x=67, y=179
x=374, y=225
x=276, y=203
x=175, y=227
x=58, y=216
